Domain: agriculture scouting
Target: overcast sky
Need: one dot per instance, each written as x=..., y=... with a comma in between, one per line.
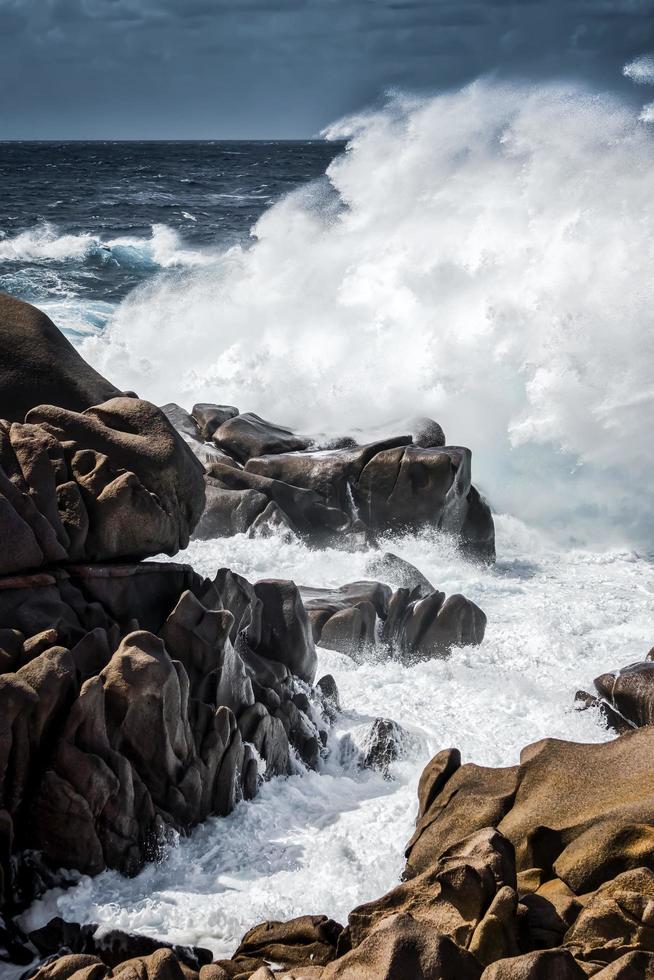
x=283, y=68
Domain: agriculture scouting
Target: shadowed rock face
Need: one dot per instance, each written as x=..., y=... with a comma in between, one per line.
x=134, y=698
x=413, y=623
x=327, y=490
x=132, y=701
x=39, y=366
x=81, y=481
x=625, y=697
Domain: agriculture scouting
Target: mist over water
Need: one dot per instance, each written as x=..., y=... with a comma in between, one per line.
x=483, y=257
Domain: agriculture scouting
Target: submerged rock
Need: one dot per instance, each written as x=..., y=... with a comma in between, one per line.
x=383, y=745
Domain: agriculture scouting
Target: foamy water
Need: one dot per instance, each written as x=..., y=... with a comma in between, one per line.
x=483, y=257
x=321, y=843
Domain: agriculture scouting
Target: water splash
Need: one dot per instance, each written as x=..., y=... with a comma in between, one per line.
x=483, y=257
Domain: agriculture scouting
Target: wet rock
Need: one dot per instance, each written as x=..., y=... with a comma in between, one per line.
x=422, y=626
x=629, y=692
x=612, y=719
x=111, y=735
x=345, y=619
x=248, y=435
x=228, y=512
x=112, y=946
x=383, y=745
x=285, y=631
x=402, y=483
x=392, y=568
x=272, y=522
x=329, y=691
x=182, y=421
x=411, y=625
x=424, y=432
x=210, y=417
x=304, y=509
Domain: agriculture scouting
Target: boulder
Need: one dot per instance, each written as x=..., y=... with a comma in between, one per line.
x=285, y=632
x=130, y=710
x=39, y=366
x=309, y=939
x=420, y=626
x=114, y=481
x=304, y=509
x=616, y=920
x=345, y=619
x=410, y=625
x=551, y=964
x=392, y=485
x=611, y=718
x=392, y=568
x=629, y=692
x=229, y=512
x=401, y=947
x=248, y=435
x=383, y=745
x=210, y=417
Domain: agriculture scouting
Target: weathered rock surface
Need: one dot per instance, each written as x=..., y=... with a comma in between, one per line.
x=624, y=697
x=86, y=474
x=39, y=363
x=539, y=871
x=411, y=623
x=134, y=697
x=346, y=492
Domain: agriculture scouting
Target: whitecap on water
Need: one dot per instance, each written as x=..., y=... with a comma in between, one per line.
x=322, y=843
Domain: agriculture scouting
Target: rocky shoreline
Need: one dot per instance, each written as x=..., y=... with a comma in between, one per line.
x=137, y=697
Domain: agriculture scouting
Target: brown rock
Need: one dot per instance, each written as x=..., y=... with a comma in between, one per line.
x=616, y=920
x=551, y=964
x=38, y=361
x=401, y=948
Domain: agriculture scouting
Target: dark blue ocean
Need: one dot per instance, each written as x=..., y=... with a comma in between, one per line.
x=82, y=224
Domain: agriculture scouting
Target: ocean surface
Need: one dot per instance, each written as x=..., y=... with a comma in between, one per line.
x=82, y=224
x=483, y=257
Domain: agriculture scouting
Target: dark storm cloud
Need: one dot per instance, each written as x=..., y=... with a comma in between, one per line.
x=238, y=68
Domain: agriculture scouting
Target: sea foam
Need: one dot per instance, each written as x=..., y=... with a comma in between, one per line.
x=483, y=257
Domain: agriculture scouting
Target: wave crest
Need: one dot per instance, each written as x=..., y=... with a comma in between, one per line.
x=44, y=243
